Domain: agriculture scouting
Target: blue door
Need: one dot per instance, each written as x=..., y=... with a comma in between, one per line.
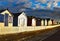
x=6, y=20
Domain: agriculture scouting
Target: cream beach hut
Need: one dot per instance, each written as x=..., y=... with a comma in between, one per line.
x=8, y=18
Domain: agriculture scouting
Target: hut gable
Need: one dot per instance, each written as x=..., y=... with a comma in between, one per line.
x=6, y=12
x=22, y=15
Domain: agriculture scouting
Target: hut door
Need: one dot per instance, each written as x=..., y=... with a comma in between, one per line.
x=38, y=23
x=6, y=20
x=29, y=22
x=22, y=22
x=15, y=21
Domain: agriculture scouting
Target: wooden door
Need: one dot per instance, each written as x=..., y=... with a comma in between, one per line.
x=6, y=20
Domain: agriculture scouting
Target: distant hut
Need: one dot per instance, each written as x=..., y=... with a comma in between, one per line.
x=38, y=21
x=25, y=19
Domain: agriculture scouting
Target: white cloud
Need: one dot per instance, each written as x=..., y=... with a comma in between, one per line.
x=55, y=4
x=33, y=8
x=28, y=4
x=56, y=0
x=11, y=0
x=17, y=1
x=43, y=1
x=37, y=5
x=21, y=10
x=49, y=5
x=22, y=1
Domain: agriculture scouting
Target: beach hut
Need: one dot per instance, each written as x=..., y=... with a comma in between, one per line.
x=22, y=19
x=6, y=14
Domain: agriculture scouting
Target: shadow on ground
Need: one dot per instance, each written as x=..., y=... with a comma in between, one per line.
x=19, y=36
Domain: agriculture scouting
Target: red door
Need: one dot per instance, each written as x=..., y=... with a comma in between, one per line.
x=29, y=22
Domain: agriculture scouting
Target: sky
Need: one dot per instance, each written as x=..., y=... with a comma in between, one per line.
x=17, y=5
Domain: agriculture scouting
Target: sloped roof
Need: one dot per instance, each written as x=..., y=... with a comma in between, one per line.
x=16, y=14
x=2, y=10
x=43, y=14
x=39, y=14
x=5, y=11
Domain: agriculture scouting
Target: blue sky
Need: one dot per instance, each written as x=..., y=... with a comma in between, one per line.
x=58, y=3
x=34, y=4
x=20, y=5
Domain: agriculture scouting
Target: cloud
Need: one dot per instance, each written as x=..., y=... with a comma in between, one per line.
x=50, y=2
x=11, y=0
x=22, y=1
x=7, y=0
x=42, y=1
x=49, y=5
x=28, y=4
x=55, y=4
x=56, y=0
x=37, y=6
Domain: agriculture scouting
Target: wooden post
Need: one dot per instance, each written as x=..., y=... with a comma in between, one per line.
x=33, y=22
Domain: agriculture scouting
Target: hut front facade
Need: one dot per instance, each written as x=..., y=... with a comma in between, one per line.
x=22, y=19
x=26, y=20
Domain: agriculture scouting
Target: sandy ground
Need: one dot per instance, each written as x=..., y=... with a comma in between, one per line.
x=11, y=29
x=28, y=36
x=2, y=25
x=38, y=33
